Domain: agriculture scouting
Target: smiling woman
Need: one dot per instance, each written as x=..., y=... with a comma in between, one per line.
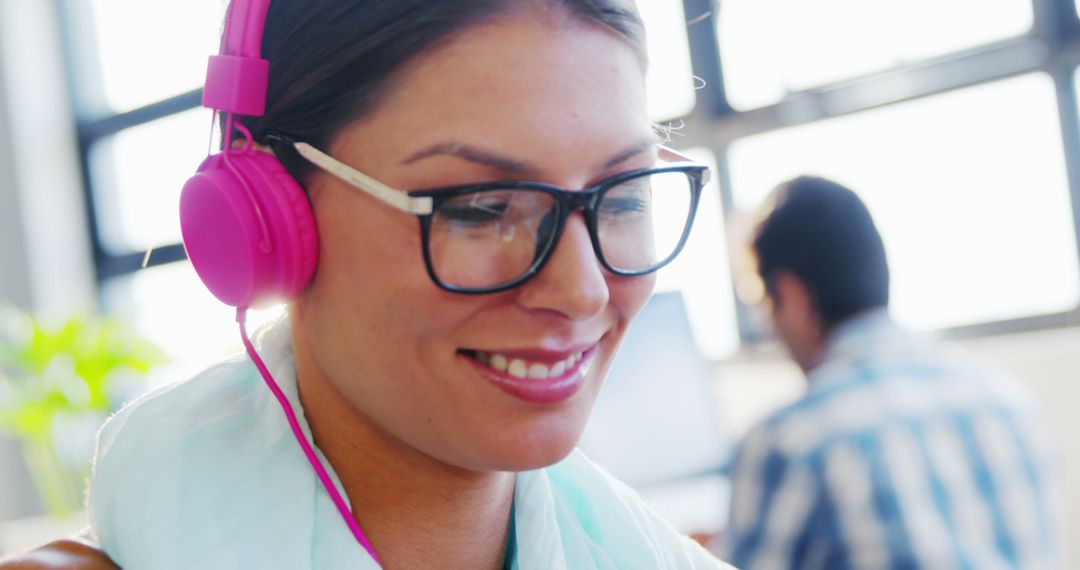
x=412, y=187
x=406, y=338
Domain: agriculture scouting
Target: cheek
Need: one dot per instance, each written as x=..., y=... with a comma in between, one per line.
x=627, y=297
x=369, y=266
x=629, y=294
x=365, y=249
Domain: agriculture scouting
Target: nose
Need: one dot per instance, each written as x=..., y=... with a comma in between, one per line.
x=572, y=283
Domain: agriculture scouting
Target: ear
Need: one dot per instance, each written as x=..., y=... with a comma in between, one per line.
x=791, y=295
x=795, y=316
x=239, y=143
x=788, y=290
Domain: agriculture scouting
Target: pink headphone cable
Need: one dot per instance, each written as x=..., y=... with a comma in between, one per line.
x=290, y=415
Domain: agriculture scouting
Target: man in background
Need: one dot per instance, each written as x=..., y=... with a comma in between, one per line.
x=900, y=455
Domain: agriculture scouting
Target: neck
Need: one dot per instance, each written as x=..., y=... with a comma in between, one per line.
x=417, y=512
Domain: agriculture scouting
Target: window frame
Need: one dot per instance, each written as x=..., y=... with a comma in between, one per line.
x=1052, y=47
x=94, y=124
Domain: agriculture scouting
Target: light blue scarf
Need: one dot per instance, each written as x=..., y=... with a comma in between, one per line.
x=206, y=474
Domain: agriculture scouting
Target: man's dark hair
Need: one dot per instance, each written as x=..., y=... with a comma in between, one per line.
x=822, y=233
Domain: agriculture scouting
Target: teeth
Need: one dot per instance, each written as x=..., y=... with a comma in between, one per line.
x=520, y=368
x=517, y=368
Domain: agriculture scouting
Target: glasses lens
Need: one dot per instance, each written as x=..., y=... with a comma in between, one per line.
x=641, y=222
x=491, y=237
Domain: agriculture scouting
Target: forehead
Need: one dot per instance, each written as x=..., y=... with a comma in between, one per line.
x=518, y=84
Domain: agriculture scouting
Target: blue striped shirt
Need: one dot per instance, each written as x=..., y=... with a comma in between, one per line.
x=900, y=455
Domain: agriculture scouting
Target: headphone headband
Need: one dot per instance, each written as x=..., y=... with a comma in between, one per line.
x=244, y=28
x=236, y=79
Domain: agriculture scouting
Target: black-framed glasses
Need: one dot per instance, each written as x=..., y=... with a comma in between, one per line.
x=486, y=238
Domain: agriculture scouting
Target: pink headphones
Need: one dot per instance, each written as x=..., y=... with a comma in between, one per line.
x=247, y=225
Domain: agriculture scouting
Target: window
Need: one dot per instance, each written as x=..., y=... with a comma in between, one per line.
x=138, y=174
x=670, y=84
x=771, y=48
x=136, y=67
x=150, y=51
x=702, y=274
x=169, y=305
x=972, y=202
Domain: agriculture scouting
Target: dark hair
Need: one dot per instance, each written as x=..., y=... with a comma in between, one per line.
x=331, y=61
x=822, y=232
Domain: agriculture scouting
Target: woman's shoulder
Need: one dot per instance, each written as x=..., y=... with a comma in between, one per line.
x=213, y=412
x=198, y=461
x=153, y=447
x=226, y=389
x=178, y=425
x=67, y=554
x=165, y=411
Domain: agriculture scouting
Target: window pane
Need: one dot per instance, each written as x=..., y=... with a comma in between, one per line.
x=176, y=61
x=702, y=273
x=670, y=85
x=153, y=50
x=137, y=177
x=170, y=306
x=968, y=189
x=772, y=47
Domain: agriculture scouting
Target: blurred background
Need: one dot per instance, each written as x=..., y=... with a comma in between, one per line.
x=955, y=120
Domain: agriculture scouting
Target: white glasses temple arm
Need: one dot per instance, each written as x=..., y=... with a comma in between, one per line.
x=669, y=154
x=365, y=183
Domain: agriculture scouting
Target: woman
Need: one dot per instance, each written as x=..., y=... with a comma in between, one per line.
x=444, y=375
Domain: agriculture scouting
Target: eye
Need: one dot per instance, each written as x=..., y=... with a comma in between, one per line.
x=476, y=209
x=623, y=205
x=628, y=198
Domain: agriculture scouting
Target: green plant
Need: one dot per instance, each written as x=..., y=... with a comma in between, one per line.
x=57, y=385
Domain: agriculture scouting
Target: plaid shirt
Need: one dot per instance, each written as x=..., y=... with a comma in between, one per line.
x=899, y=456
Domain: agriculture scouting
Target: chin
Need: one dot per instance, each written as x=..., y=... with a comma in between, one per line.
x=539, y=448
x=551, y=455
x=532, y=462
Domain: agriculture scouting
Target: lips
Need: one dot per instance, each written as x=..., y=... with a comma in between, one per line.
x=538, y=378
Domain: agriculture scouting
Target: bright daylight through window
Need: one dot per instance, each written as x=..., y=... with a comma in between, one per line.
x=973, y=203
x=766, y=57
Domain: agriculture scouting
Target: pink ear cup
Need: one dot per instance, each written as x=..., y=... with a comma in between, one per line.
x=222, y=233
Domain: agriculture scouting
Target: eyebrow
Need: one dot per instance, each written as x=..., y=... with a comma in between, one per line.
x=630, y=153
x=507, y=164
x=472, y=154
